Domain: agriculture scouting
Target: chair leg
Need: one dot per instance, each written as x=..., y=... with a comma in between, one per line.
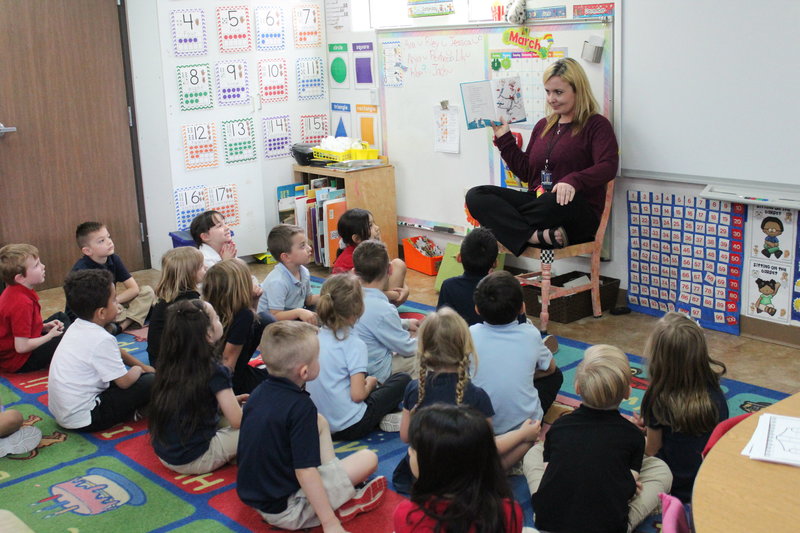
x=597, y=308
x=547, y=263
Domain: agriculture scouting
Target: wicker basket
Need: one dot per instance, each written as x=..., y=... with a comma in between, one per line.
x=575, y=306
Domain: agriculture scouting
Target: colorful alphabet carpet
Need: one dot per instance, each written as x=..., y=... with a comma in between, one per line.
x=112, y=480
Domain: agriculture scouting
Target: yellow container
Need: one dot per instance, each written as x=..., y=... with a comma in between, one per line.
x=364, y=153
x=319, y=153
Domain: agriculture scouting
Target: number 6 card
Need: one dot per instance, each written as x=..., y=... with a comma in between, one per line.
x=199, y=146
x=270, y=28
x=194, y=87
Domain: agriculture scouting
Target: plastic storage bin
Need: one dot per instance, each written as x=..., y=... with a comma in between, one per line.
x=418, y=261
x=181, y=238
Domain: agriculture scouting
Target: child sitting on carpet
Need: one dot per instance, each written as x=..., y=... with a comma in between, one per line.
x=354, y=227
x=684, y=402
x=352, y=402
x=213, y=237
x=444, y=351
x=182, y=269
x=460, y=485
x=228, y=288
x=287, y=468
x=589, y=475
x=190, y=389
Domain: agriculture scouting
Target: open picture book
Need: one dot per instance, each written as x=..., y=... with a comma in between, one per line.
x=487, y=102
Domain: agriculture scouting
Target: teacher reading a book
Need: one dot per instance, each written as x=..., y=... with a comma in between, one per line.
x=571, y=155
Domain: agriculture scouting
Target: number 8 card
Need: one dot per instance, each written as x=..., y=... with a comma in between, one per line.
x=194, y=87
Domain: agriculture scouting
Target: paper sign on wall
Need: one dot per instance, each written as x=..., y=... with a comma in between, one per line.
x=363, y=65
x=338, y=66
x=200, y=145
x=233, y=82
x=310, y=78
x=368, y=124
x=313, y=128
x=194, y=87
x=393, y=71
x=270, y=28
x=307, y=26
x=277, y=136
x=273, y=80
x=239, y=140
x=341, y=120
x=189, y=32
x=233, y=29
x=189, y=202
x=225, y=199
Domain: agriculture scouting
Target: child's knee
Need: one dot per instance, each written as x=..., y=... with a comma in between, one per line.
x=10, y=421
x=322, y=425
x=369, y=459
x=398, y=267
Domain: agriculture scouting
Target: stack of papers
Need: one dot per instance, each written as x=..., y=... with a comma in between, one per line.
x=776, y=439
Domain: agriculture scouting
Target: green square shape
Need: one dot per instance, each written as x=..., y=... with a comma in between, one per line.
x=59, y=446
x=7, y=395
x=127, y=498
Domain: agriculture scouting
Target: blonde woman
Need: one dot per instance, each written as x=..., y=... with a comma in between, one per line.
x=571, y=156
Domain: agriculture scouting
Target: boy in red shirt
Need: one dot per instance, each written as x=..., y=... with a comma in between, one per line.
x=26, y=342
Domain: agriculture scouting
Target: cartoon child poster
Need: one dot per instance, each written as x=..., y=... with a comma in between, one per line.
x=768, y=291
x=772, y=234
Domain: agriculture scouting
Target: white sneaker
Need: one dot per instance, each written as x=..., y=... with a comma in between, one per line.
x=27, y=438
x=391, y=422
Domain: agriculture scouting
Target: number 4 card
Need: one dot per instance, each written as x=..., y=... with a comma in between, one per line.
x=200, y=146
x=189, y=32
x=233, y=25
x=194, y=87
x=270, y=28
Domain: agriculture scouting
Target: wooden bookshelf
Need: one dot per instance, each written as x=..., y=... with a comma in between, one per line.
x=370, y=188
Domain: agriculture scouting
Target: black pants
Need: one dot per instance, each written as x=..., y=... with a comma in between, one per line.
x=548, y=387
x=117, y=405
x=383, y=400
x=514, y=215
x=41, y=356
x=245, y=377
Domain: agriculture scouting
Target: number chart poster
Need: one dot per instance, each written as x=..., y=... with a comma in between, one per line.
x=771, y=254
x=686, y=254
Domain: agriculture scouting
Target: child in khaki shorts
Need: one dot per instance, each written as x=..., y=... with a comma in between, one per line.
x=287, y=468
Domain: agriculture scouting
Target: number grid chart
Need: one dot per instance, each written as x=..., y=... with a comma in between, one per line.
x=307, y=26
x=239, y=141
x=225, y=199
x=189, y=32
x=686, y=254
x=310, y=78
x=270, y=28
x=189, y=202
x=273, y=80
x=313, y=128
x=233, y=82
x=233, y=29
x=194, y=87
x=277, y=136
x=200, y=146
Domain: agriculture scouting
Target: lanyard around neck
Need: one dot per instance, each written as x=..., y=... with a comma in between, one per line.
x=552, y=142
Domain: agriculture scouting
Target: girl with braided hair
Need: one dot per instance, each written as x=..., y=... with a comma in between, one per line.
x=444, y=354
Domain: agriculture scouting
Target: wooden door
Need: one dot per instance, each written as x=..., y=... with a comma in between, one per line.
x=63, y=87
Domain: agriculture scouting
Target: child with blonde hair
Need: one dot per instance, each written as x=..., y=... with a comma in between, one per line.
x=445, y=352
x=182, y=269
x=590, y=474
x=352, y=402
x=191, y=389
x=684, y=401
x=229, y=289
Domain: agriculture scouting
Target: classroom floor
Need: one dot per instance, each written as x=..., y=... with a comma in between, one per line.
x=752, y=361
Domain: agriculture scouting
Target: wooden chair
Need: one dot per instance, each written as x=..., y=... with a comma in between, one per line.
x=542, y=278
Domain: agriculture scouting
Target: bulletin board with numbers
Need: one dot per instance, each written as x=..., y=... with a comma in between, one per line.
x=686, y=253
x=243, y=82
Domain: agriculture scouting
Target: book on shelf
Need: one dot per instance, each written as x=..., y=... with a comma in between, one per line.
x=333, y=211
x=488, y=102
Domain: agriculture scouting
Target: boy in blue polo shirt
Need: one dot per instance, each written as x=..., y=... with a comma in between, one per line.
x=287, y=468
x=287, y=289
x=516, y=368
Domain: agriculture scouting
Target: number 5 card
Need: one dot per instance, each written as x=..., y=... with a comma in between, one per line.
x=233, y=25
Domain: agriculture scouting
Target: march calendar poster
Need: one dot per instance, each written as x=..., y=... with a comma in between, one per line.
x=686, y=254
x=770, y=259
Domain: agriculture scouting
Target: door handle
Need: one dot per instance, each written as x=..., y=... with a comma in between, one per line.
x=4, y=129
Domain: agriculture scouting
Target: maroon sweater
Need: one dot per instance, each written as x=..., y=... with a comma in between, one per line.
x=587, y=161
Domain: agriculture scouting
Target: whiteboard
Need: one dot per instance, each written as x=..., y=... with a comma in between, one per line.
x=433, y=63
x=710, y=91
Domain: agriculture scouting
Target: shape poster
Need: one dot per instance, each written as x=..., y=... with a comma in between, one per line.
x=771, y=257
x=313, y=128
x=200, y=146
x=239, y=140
x=307, y=26
x=337, y=66
x=686, y=254
x=194, y=87
x=310, y=73
x=277, y=136
x=364, y=65
x=233, y=82
x=233, y=29
x=273, y=80
x=188, y=32
x=270, y=28
x=369, y=124
x=342, y=120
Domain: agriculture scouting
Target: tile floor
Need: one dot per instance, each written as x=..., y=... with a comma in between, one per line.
x=753, y=361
